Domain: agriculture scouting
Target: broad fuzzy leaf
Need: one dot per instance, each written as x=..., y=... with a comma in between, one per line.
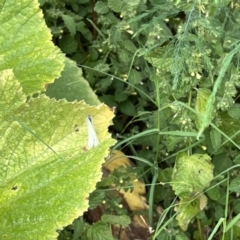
x=26, y=46
x=46, y=171
x=191, y=175
x=72, y=86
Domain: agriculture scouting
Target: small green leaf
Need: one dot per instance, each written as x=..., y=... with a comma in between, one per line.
x=109, y=100
x=132, y=2
x=135, y=77
x=96, y=198
x=173, y=141
x=120, y=96
x=100, y=231
x=93, y=54
x=237, y=159
x=81, y=27
x=236, y=205
x=234, y=111
x=116, y=6
x=122, y=220
x=216, y=139
x=214, y=193
x=127, y=107
x=68, y=44
x=218, y=211
x=101, y=67
x=69, y=23
x=116, y=35
x=124, y=55
x=235, y=185
x=165, y=175
x=78, y=225
x=191, y=175
x=161, y=58
x=221, y=162
x=130, y=46
x=101, y=7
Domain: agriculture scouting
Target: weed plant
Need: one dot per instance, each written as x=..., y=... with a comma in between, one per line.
x=171, y=69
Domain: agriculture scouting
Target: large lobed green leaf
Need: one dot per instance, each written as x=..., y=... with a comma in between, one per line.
x=46, y=170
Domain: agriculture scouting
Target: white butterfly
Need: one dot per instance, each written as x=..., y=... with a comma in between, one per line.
x=92, y=136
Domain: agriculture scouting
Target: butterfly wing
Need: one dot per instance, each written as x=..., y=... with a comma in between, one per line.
x=92, y=136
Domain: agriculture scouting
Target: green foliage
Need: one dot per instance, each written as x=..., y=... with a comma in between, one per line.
x=171, y=69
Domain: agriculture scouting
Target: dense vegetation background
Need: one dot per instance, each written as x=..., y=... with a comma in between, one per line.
x=171, y=69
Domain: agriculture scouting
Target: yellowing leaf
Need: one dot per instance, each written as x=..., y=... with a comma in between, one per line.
x=116, y=160
x=191, y=174
x=203, y=202
x=187, y=209
x=134, y=199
